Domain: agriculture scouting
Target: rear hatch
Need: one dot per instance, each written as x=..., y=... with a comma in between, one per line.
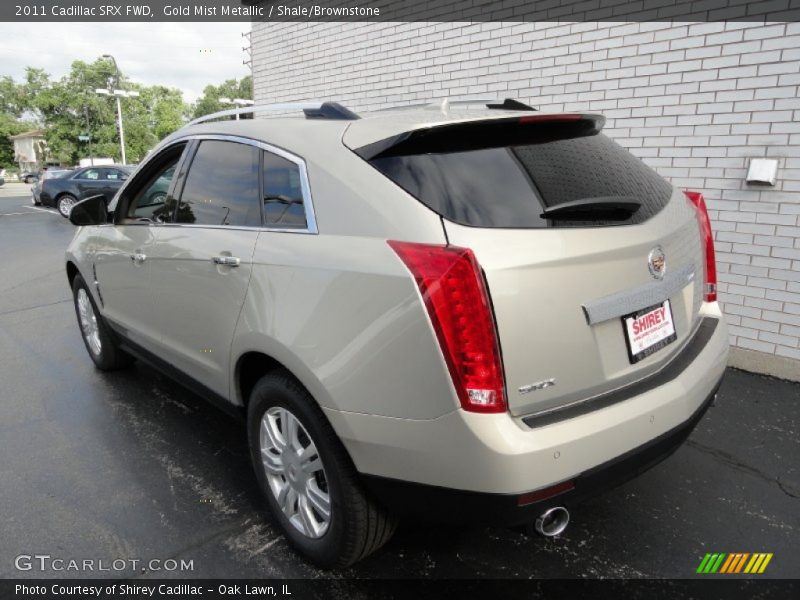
x=593, y=261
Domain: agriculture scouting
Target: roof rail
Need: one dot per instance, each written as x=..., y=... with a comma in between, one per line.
x=312, y=110
x=445, y=104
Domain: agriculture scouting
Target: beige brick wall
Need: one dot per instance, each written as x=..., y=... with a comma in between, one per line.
x=695, y=101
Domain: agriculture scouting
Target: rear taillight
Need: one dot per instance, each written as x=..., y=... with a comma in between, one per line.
x=455, y=296
x=549, y=118
x=707, y=236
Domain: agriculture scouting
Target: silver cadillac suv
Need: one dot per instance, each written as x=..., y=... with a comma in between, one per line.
x=473, y=315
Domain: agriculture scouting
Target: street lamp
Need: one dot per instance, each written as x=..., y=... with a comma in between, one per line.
x=112, y=91
x=237, y=102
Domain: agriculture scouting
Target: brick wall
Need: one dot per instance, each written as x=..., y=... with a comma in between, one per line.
x=694, y=101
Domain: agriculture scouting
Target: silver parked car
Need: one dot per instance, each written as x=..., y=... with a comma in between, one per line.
x=473, y=315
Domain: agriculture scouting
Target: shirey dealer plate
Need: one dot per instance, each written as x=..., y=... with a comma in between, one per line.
x=648, y=330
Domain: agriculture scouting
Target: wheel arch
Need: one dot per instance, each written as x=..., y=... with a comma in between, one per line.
x=250, y=367
x=72, y=272
x=63, y=193
x=257, y=361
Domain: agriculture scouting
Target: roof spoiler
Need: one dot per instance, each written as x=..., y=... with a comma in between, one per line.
x=461, y=136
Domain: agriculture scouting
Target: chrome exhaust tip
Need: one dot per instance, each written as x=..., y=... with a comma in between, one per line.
x=552, y=522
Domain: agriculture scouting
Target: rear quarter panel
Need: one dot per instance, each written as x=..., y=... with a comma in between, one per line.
x=344, y=316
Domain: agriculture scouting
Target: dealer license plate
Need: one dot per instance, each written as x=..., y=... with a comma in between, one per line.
x=648, y=330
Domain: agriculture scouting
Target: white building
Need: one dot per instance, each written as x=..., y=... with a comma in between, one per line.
x=696, y=101
x=29, y=150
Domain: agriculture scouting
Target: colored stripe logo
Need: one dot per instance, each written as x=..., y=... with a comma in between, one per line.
x=737, y=562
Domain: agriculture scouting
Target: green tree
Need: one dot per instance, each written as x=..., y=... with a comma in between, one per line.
x=232, y=88
x=16, y=110
x=70, y=107
x=9, y=126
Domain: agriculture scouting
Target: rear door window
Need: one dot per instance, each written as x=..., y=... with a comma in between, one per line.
x=222, y=187
x=512, y=185
x=283, y=194
x=115, y=175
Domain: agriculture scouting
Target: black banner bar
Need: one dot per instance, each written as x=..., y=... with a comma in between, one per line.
x=397, y=10
x=707, y=587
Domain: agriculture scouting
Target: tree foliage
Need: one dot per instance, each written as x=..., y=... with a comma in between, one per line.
x=232, y=88
x=69, y=107
x=8, y=126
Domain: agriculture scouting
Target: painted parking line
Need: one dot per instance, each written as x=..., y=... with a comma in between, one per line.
x=52, y=211
x=17, y=214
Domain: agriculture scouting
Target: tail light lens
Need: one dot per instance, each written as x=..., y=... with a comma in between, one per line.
x=707, y=236
x=457, y=302
x=549, y=118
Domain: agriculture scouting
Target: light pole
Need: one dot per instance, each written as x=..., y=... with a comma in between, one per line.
x=237, y=102
x=111, y=90
x=89, y=135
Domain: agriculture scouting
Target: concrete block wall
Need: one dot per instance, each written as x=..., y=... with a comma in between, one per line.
x=696, y=101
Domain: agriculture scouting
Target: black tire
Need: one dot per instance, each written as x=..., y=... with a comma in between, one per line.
x=358, y=525
x=63, y=201
x=108, y=357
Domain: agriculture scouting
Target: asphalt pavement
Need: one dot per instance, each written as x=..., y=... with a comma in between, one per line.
x=131, y=466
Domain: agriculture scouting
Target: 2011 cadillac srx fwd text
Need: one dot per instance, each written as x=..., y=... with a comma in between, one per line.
x=471, y=314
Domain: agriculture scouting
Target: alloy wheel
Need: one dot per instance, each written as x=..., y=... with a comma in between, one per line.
x=294, y=472
x=65, y=205
x=89, y=326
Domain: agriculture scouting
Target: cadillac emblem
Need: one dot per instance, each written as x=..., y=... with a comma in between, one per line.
x=657, y=262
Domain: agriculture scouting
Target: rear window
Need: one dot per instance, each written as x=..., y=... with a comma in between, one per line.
x=510, y=186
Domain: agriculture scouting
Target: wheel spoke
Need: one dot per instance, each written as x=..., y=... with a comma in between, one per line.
x=285, y=418
x=289, y=505
x=320, y=500
x=269, y=428
x=273, y=463
x=309, y=460
x=310, y=524
x=291, y=431
x=282, y=496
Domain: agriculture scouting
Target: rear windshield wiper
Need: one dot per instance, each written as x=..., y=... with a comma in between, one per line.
x=611, y=208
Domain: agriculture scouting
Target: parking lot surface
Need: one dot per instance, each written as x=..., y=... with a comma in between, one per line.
x=129, y=465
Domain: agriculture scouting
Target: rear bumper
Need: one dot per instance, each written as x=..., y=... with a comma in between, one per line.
x=498, y=454
x=458, y=506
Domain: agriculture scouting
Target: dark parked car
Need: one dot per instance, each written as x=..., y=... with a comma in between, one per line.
x=52, y=173
x=30, y=176
x=64, y=192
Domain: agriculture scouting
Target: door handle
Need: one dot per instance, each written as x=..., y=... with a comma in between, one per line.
x=138, y=258
x=228, y=261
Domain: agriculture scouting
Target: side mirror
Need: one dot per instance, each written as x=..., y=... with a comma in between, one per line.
x=92, y=211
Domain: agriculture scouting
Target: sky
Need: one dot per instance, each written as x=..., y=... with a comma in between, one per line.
x=187, y=56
